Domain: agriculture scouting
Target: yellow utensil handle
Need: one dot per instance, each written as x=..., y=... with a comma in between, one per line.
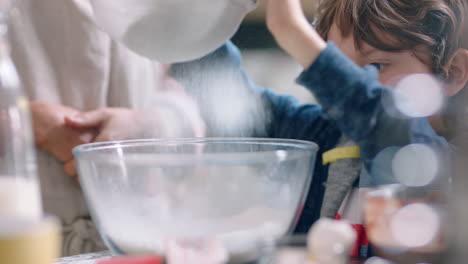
x=336, y=154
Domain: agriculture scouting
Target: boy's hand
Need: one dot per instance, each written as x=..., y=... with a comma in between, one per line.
x=50, y=132
x=282, y=15
x=288, y=24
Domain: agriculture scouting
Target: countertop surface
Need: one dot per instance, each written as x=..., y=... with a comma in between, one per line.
x=94, y=257
x=84, y=259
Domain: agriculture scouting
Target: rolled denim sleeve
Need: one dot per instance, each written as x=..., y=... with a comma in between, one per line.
x=354, y=98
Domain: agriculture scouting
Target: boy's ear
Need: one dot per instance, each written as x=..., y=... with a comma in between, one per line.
x=457, y=67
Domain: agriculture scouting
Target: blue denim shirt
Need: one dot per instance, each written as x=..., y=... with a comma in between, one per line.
x=351, y=103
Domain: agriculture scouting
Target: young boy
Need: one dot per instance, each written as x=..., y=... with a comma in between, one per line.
x=398, y=38
x=398, y=41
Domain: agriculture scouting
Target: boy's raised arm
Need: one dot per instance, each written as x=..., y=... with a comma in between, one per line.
x=350, y=95
x=292, y=31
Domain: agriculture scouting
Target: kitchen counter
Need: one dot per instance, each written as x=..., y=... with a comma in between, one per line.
x=94, y=257
x=84, y=259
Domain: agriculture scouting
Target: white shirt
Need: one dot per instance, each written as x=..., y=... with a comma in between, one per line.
x=62, y=57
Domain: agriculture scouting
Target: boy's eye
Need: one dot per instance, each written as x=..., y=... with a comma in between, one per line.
x=378, y=66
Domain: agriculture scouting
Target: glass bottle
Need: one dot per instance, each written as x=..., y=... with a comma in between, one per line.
x=19, y=183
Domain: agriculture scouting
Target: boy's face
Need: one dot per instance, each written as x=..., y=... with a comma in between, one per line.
x=392, y=65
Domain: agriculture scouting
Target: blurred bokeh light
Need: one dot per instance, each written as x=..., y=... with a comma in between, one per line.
x=415, y=165
x=418, y=95
x=415, y=225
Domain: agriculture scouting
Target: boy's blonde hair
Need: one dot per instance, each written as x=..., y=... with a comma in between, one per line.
x=435, y=24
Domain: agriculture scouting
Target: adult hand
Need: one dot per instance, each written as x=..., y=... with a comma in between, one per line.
x=110, y=124
x=115, y=123
x=119, y=124
x=288, y=24
x=70, y=168
x=52, y=135
x=175, y=115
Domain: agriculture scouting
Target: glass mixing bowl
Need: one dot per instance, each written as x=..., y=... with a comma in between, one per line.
x=146, y=195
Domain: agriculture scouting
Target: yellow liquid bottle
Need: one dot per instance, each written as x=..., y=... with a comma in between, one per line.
x=29, y=242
